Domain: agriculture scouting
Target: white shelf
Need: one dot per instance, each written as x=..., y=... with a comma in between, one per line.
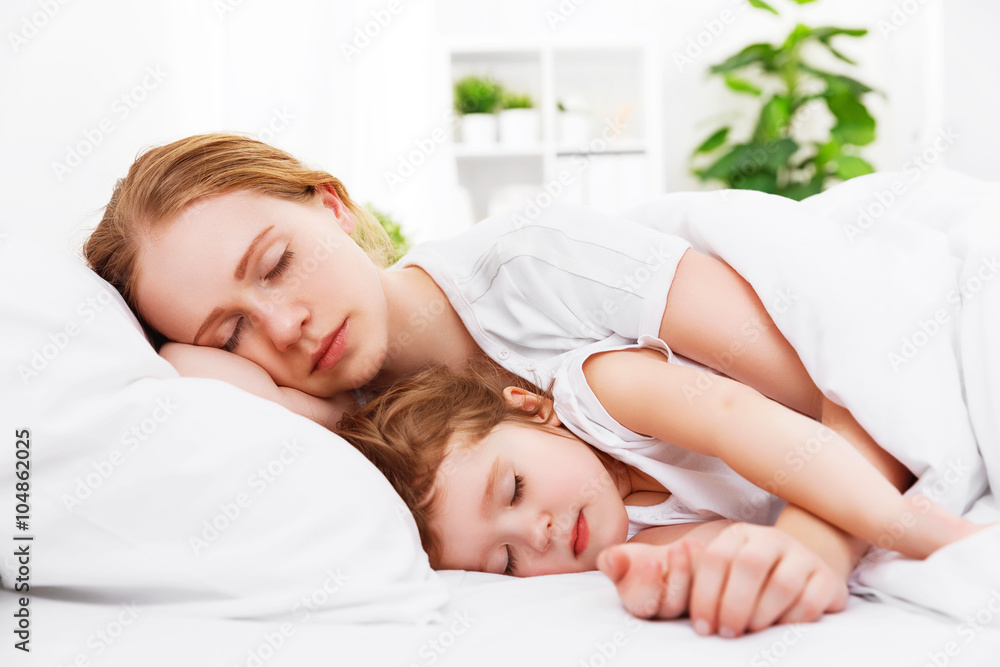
x=499, y=151
x=615, y=167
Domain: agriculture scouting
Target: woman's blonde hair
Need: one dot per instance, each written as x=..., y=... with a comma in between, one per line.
x=165, y=180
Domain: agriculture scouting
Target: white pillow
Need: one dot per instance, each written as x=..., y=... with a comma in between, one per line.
x=187, y=492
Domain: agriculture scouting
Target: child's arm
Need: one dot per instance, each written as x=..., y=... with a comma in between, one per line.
x=732, y=577
x=209, y=362
x=777, y=449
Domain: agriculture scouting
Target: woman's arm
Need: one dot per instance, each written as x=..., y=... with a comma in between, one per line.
x=209, y=362
x=714, y=317
x=779, y=450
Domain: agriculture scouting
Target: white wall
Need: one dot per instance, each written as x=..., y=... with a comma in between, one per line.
x=971, y=91
x=110, y=77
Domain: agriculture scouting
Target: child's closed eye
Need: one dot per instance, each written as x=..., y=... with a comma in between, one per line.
x=518, y=494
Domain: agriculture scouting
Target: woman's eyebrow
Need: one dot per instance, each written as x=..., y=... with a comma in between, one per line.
x=241, y=268
x=491, y=483
x=241, y=271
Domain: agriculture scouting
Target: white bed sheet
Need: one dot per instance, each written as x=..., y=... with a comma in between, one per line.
x=573, y=620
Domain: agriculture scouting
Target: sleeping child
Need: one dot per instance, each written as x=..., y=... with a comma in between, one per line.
x=499, y=478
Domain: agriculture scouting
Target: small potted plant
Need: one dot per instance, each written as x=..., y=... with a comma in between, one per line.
x=573, y=123
x=519, y=120
x=476, y=98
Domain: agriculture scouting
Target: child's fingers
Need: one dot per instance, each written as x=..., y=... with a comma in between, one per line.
x=640, y=582
x=613, y=563
x=642, y=589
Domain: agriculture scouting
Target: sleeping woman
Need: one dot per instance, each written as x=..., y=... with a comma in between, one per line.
x=244, y=264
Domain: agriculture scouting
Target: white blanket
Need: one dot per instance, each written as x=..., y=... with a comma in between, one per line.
x=887, y=287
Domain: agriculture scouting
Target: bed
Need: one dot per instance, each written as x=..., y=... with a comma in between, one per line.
x=179, y=520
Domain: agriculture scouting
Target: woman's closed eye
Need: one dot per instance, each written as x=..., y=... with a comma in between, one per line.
x=518, y=494
x=273, y=274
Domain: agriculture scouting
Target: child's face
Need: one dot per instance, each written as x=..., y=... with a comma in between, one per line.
x=306, y=283
x=565, y=509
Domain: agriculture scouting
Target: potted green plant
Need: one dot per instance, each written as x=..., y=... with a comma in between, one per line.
x=776, y=158
x=476, y=99
x=520, y=123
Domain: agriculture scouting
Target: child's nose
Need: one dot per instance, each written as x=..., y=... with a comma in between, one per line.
x=539, y=535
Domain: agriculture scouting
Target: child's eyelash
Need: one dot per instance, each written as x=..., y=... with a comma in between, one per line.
x=511, y=565
x=518, y=489
x=518, y=494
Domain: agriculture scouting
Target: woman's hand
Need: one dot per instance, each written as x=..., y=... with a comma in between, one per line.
x=209, y=362
x=745, y=579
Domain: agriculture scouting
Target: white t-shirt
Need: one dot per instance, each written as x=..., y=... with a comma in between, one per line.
x=541, y=297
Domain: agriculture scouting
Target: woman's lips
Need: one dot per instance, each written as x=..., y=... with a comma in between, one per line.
x=581, y=535
x=331, y=349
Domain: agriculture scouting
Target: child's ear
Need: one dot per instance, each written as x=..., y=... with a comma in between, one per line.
x=529, y=401
x=330, y=200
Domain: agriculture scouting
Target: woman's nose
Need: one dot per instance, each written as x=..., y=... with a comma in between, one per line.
x=282, y=322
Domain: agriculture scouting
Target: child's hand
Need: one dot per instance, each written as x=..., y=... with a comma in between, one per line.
x=653, y=581
x=747, y=578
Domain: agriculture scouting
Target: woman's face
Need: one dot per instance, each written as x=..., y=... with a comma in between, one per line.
x=526, y=501
x=278, y=282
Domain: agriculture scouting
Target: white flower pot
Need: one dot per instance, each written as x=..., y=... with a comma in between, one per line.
x=479, y=129
x=520, y=127
x=572, y=129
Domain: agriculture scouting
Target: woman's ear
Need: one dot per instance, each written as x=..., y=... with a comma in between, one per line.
x=529, y=402
x=330, y=200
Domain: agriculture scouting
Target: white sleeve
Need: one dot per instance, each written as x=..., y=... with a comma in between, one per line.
x=572, y=276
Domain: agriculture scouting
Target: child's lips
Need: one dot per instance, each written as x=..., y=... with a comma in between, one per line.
x=580, y=536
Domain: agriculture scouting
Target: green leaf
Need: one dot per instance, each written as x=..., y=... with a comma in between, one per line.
x=824, y=35
x=400, y=244
x=799, y=191
x=773, y=120
x=838, y=83
x=731, y=163
x=779, y=153
x=854, y=124
x=760, y=4
x=799, y=34
x=803, y=2
x=717, y=139
x=762, y=181
x=826, y=153
x=763, y=54
x=475, y=94
x=828, y=32
x=849, y=166
x=741, y=85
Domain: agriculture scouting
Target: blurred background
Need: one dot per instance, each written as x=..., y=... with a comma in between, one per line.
x=603, y=102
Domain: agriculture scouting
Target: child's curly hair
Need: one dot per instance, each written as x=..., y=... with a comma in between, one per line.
x=406, y=431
